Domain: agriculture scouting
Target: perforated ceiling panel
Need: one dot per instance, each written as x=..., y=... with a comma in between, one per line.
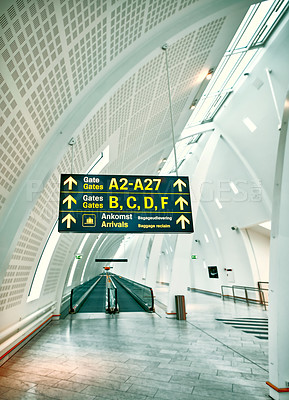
x=85, y=28
x=148, y=105
x=95, y=133
x=126, y=25
x=22, y=261
x=34, y=85
x=63, y=249
x=52, y=53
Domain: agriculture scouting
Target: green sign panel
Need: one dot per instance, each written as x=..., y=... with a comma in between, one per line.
x=124, y=204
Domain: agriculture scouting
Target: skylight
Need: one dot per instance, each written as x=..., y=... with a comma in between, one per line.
x=88, y=258
x=38, y=279
x=255, y=29
x=39, y=276
x=266, y=225
x=252, y=34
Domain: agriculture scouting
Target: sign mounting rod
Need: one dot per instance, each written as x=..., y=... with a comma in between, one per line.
x=165, y=47
x=72, y=143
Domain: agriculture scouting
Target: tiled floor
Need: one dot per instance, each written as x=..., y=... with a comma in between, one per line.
x=143, y=356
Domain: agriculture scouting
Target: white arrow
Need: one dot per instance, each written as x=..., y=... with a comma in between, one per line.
x=183, y=220
x=68, y=218
x=69, y=200
x=182, y=201
x=180, y=183
x=70, y=181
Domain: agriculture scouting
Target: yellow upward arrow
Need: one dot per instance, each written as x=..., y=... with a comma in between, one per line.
x=70, y=181
x=180, y=183
x=69, y=199
x=68, y=218
x=182, y=201
x=183, y=220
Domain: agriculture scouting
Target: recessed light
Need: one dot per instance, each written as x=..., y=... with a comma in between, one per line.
x=217, y=201
x=193, y=105
x=234, y=187
x=218, y=233
x=209, y=74
x=249, y=124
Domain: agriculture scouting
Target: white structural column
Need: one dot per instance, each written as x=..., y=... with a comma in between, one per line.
x=180, y=277
x=134, y=248
x=279, y=271
x=200, y=174
x=141, y=258
x=152, y=270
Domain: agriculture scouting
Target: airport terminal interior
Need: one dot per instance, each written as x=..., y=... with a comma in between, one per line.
x=144, y=199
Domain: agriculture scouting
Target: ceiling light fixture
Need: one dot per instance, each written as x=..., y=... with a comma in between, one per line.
x=210, y=74
x=193, y=105
x=203, y=85
x=161, y=164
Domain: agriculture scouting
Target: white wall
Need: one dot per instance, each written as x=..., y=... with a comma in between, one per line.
x=260, y=244
x=248, y=159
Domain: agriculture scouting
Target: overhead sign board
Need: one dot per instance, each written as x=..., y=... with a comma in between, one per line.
x=124, y=204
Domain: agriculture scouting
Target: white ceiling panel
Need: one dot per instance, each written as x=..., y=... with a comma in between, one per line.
x=92, y=70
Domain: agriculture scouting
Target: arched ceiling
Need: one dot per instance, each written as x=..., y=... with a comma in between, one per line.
x=94, y=71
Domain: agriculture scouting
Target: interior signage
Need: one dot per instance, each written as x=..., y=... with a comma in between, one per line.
x=124, y=204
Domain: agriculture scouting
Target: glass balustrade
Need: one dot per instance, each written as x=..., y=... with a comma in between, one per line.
x=142, y=294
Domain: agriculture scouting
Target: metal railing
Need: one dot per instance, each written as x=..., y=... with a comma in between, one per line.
x=111, y=296
x=260, y=299
x=265, y=287
x=141, y=293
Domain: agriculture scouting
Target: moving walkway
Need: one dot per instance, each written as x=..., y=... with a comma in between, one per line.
x=112, y=294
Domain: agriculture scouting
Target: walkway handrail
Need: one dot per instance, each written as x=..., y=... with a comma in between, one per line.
x=111, y=296
x=246, y=290
x=73, y=308
x=146, y=301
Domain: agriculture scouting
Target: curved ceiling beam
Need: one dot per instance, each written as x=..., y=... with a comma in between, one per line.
x=72, y=121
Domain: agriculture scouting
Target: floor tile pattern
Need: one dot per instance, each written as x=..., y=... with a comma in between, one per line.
x=140, y=356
